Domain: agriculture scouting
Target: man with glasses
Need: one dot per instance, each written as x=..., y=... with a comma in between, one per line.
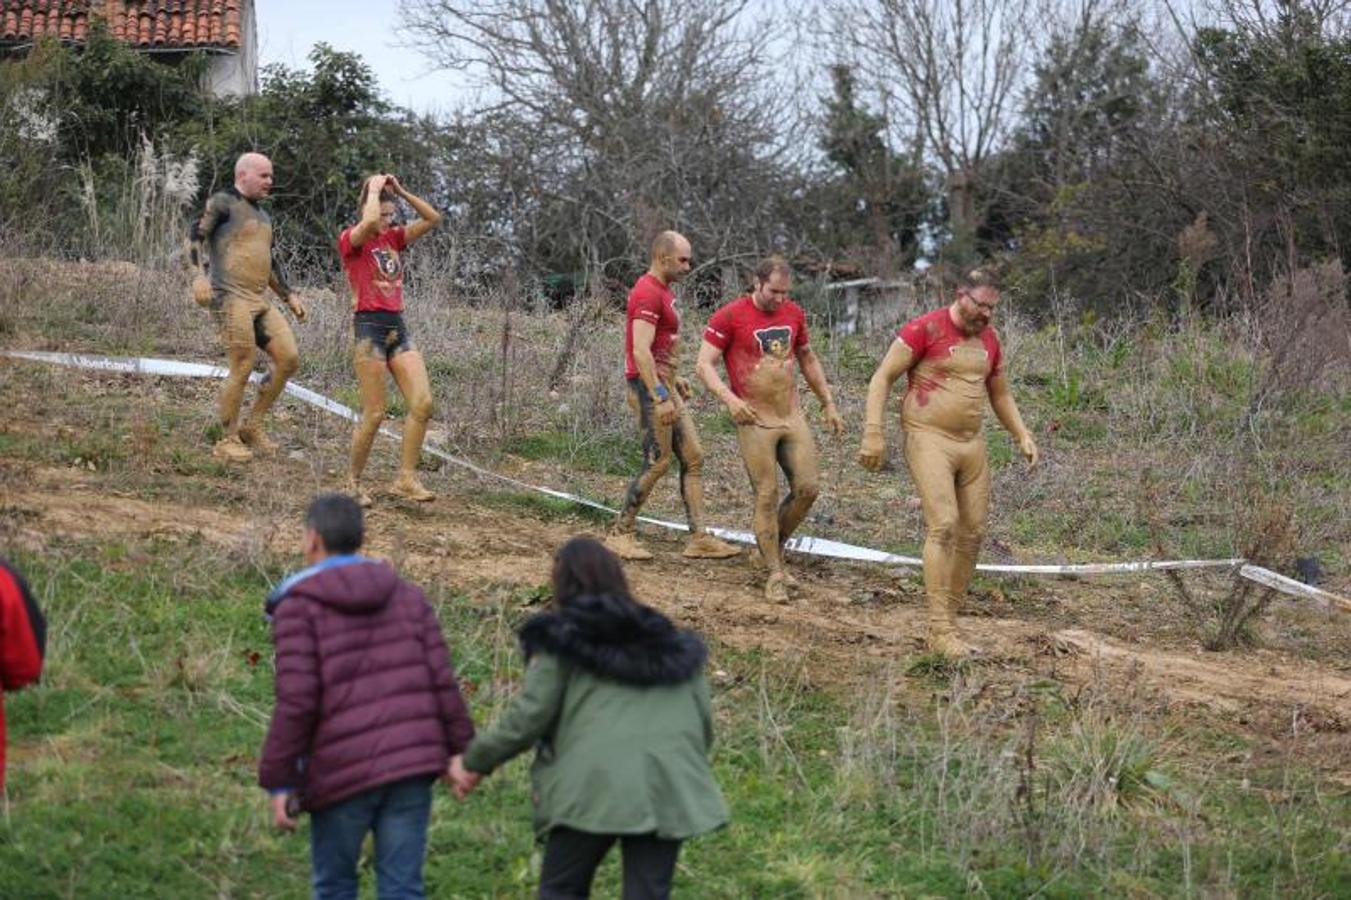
x=953, y=358
x=657, y=394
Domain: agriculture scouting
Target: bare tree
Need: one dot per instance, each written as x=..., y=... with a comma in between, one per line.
x=951, y=68
x=658, y=113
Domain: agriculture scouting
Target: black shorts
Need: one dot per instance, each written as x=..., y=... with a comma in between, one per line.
x=386, y=331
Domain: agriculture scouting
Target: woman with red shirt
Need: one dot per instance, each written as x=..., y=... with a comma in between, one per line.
x=370, y=255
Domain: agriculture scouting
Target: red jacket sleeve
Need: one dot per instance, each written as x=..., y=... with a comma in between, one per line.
x=23, y=632
x=297, y=692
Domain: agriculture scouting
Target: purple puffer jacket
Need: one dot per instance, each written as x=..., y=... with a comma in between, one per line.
x=365, y=690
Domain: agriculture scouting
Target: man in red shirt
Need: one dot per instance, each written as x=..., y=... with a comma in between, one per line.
x=23, y=634
x=761, y=337
x=955, y=364
x=657, y=394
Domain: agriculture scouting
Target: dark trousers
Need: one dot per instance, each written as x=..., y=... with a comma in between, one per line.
x=571, y=858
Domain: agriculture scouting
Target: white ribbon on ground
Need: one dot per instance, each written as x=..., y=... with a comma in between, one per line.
x=802, y=544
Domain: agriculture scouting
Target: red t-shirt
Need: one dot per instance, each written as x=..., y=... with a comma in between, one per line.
x=375, y=270
x=746, y=334
x=933, y=335
x=653, y=302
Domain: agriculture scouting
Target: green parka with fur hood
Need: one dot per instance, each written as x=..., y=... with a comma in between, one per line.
x=617, y=707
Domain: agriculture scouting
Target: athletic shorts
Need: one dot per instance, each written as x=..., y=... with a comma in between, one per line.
x=386, y=332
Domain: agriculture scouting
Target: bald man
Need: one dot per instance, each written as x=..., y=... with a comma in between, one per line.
x=657, y=395
x=231, y=247
x=955, y=366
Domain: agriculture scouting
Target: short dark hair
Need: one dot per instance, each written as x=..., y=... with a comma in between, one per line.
x=769, y=265
x=337, y=519
x=585, y=566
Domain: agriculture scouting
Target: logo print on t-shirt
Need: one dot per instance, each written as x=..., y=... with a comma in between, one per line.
x=775, y=341
x=387, y=263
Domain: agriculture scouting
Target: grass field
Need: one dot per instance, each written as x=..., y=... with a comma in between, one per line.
x=855, y=765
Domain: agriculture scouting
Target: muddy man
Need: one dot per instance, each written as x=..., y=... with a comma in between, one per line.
x=762, y=339
x=231, y=248
x=657, y=395
x=953, y=358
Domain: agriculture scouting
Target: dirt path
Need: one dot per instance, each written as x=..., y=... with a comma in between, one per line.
x=846, y=621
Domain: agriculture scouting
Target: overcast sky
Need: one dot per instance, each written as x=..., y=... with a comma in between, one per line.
x=288, y=29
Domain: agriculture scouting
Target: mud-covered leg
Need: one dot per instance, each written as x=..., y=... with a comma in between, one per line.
x=760, y=455
x=657, y=456
x=236, y=330
x=370, y=371
x=274, y=336
x=689, y=453
x=933, y=471
x=410, y=373
x=973, y=506
x=797, y=457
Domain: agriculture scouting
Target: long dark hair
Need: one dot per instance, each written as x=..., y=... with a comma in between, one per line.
x=585, y=567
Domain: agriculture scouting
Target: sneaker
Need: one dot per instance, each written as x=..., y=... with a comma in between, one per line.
x=257, y=440
x=362, y=498
x=625, y=545
x=409, y=488
x=231, y=449
x=705, y=546
x=776, y=588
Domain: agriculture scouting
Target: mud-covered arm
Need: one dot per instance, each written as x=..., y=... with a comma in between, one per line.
x=277, y=279
x=428, y=216
x=644, y=333
x=815, y=374
x=529, y=717
x=216, y=213
x=899, y=359
x=1006, y=410
x=706, y=367
x=369, y=226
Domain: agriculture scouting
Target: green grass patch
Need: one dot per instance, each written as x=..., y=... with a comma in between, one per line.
x=542, y=506
x=132, y=768
x=606, y=454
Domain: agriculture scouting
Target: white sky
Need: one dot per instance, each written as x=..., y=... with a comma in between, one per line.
x=289, y=29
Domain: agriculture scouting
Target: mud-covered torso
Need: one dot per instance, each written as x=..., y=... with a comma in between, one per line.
x=760, y=351
x=238, y=235
x=948, y=385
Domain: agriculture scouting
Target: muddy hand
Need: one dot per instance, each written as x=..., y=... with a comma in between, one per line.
x=742, y=412
x=297, y=308
x=873, y=450
x=665, y=411
x=1028, y=447
x=834, y=421
x=201, y=290
x=683, y=388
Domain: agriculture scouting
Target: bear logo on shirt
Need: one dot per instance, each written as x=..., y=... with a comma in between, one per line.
x=775, y=341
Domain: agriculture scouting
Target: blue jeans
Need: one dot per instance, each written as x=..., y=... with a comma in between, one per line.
x=397, y=812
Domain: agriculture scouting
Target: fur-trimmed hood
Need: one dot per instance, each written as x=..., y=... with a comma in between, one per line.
x=618, y=639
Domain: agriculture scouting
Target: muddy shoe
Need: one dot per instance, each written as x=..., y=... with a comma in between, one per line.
x=625, y=545
x=951, y=646
x=358, y=494
x=257, y=440
x=776, y=588
x=705, y=546
x=409, y=488
x=232, y=449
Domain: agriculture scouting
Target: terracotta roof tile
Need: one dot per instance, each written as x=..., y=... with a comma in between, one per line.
x=162, y=24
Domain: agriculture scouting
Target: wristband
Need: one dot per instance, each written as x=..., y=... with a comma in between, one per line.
x=661, y=393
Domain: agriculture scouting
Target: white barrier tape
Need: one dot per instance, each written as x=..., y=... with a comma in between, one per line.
x=803, y=544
